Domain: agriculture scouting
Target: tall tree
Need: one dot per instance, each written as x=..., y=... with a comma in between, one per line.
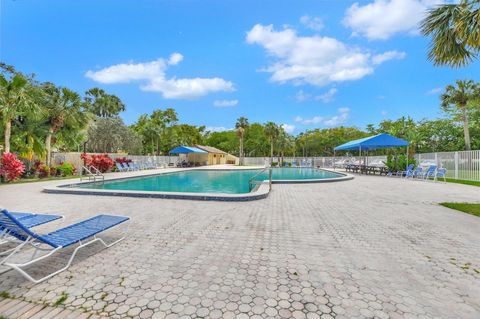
x=61, y=107
x=455, y=32
x=241, y=126
x=456, y=100
x=271, y=130
x=110, y=135
x=102, y=104
x=16, y=96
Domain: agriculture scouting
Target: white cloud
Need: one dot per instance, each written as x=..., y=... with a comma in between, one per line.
x=344, y=114
x=314, y=60
x=288, y=128
x=310, y=121
x=154, y=79
x=225, y=103
x=313, y=23
x=384, y=113
x=434, y=91
x=127, y=72
x=381, y=19
x=328, y=96
x=341, y=117
x=302, y=96
x=298, y=119
x=217, y=129
x=175, y=58
x=389, y=55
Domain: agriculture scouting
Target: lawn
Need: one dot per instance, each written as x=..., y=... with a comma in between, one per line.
x=473, y=209
x=33, y=180
x=461, y=181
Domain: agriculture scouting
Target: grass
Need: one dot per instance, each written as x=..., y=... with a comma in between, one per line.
x=34, y=180
x=472, y=209
x=61, y=300
x=4, y=294
x=461, y=181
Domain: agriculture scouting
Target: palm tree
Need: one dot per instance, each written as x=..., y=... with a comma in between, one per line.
x=455, y=31
x=241, y=125
x=456, y=99
x=29, y=139
x=284, y=142
x=102, y=104
x=16, y=96
x=62, y=107
x=271, y=131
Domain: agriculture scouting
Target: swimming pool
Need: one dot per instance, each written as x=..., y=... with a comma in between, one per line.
x=209, y=181
x=206, y=184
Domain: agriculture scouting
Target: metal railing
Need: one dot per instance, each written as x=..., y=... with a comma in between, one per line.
x=252, y=182
x=92, y=173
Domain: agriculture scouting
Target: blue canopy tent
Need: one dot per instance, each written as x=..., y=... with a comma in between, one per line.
x=372, y=143
x=187, y=150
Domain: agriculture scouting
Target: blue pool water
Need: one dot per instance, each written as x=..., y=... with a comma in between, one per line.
x=209, y=181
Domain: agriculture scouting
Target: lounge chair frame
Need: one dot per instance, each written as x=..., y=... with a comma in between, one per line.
x=38, y=244
x=6, y=238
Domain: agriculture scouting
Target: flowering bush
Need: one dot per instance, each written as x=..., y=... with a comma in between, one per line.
x=43, y=171
x=101, y=162
x=10, y=167
x=122, y=160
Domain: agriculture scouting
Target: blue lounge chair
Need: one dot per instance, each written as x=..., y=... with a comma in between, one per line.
x=83, y=233
x=120, y=167
x=126, y=167
x=409, y=170
x=417, y=172
x=429, y=173
x=442, y=173
x=414, y=172
x=30, y=220
x=131, y=166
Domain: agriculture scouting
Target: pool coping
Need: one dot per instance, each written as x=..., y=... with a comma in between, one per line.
x=259, y=192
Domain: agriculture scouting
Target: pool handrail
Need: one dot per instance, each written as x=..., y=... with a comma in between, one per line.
x=251, y=180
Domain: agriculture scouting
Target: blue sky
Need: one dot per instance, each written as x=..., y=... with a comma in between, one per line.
x=305, y=64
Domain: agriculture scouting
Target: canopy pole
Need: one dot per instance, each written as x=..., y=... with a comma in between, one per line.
x=407, y=159
x=334, y=159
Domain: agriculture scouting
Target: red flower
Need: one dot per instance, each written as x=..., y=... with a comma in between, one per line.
x=101, y=162
x=10, y=167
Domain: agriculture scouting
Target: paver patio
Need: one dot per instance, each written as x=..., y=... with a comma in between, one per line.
x=370, y=247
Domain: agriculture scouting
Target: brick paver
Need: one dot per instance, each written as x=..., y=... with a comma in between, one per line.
x=371, y=247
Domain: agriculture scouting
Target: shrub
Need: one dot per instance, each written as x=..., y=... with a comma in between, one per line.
x=274, y=164
x=65, y=169
x=122, y=160
x=398, y=163
x=44, y=171
x=402, y=162
x=10, y=167
x=101, y=162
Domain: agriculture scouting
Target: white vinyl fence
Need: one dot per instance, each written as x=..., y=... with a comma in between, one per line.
x=74, y=158
x=464, y=165
x=460, y=165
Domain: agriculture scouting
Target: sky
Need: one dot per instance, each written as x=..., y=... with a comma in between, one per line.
x=303, y=64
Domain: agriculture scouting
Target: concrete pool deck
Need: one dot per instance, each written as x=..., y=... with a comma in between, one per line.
x=369, y=247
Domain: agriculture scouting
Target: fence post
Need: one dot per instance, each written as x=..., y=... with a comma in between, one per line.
x=456, y=165
x=436, y=159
